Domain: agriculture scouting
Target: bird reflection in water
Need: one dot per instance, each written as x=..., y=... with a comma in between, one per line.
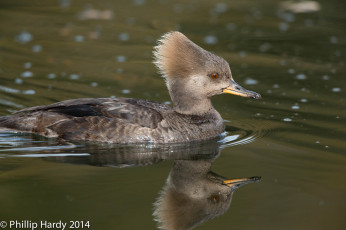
x=192, y=193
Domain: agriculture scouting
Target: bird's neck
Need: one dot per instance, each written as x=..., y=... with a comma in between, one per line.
x=193, y=106
x=189, y=102
x=186, y=173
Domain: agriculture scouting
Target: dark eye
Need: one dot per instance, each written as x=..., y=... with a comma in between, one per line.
x=214, y=76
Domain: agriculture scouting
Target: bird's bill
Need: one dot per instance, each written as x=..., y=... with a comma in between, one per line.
x=236, y=89
x=243, y=181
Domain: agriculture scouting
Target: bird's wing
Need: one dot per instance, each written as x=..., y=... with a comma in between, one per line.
x=100, y=129
x=137, y=112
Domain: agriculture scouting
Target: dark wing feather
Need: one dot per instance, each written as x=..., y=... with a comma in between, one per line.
x=77, y=110
x=140, y=113
x=67, y=103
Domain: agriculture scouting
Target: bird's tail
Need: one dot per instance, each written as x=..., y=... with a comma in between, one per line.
x=10, y=123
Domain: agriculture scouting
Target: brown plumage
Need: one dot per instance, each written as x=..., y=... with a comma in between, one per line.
x=192, y=76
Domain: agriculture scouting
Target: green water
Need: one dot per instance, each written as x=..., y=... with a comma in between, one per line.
x=294, y=137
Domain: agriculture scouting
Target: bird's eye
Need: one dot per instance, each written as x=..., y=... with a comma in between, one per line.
x=214, y=198
x=214, y=76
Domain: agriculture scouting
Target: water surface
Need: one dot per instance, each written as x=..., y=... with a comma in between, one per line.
x=294, y=137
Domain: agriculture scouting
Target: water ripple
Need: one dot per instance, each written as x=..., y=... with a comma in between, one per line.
x=31, y=146
x=41, y=148
x=49, y=155
x=241, y=134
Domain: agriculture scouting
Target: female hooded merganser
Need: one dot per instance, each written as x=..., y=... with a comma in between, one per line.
x=193, y=75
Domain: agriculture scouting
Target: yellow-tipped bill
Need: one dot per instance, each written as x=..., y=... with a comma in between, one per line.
x=242, y=181
x=236, y=89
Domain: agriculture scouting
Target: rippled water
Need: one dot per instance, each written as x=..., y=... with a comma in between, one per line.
x=292, y=54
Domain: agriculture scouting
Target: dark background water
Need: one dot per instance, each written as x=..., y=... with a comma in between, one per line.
x=294, y=137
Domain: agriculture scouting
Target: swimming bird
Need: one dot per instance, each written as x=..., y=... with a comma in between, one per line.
x=192, y=74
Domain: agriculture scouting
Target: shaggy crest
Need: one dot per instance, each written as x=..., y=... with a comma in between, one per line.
x=177, y=56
